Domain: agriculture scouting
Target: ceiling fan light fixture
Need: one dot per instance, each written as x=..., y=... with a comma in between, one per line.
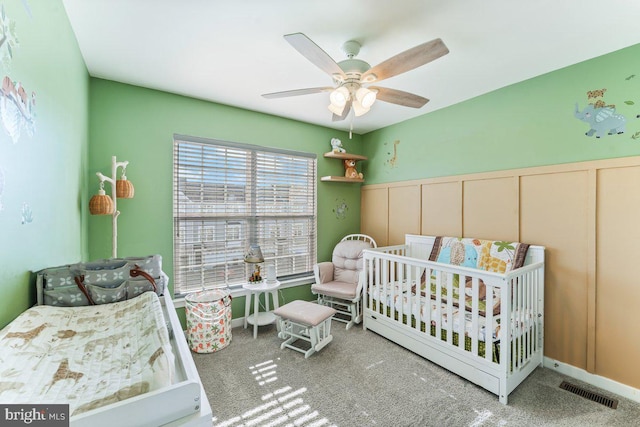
x=339, y=97
x=358, y=108
x=365, y=97
x=336, y=110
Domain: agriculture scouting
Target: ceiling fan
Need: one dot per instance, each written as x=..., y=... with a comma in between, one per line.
x=352, y=76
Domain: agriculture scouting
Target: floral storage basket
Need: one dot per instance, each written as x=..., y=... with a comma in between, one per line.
x=208, y=316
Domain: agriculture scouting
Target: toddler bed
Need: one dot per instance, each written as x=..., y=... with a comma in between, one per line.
x=113, y=363
x=475, y=307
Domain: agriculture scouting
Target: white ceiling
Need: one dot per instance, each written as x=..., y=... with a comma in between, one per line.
x=231, y=52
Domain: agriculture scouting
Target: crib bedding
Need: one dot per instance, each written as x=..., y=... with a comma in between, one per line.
x=400, y=292
x=86, y=357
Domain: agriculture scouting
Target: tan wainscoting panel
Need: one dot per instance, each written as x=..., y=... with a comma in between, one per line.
x=442, y=209
x=490, y=208
x=404, y=213
x=374, y=214
x=553, y=213
x=618, y=280
x=586, y=214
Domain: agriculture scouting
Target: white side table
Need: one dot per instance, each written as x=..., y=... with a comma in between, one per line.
x=266, y=317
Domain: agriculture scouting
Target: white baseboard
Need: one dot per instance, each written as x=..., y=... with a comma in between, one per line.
x=237, y=322
x=603, y=383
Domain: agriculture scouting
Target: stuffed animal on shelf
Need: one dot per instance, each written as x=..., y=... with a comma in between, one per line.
x=336, y=146
x=350, y=169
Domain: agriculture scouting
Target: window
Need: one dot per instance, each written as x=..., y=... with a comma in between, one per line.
x=229, y=195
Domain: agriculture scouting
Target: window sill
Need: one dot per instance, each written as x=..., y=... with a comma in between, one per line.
x=238, y=291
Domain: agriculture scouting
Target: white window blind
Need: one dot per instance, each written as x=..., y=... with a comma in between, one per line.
x=229, y=195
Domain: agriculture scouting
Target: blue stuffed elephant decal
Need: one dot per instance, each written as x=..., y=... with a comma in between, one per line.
x=603, y=120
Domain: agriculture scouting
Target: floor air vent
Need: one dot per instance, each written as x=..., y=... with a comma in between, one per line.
x=598, y=398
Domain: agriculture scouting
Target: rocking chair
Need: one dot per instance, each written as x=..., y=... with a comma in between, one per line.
x=339, y=282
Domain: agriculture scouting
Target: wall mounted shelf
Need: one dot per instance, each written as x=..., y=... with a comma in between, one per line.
x=342, y=156
x=340, y=179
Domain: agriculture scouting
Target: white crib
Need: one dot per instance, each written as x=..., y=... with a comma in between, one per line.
x=495, y=354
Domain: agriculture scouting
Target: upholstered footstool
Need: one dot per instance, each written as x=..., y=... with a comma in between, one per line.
x=303, y=320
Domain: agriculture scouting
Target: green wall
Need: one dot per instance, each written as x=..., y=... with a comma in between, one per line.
x=45, y=173
x=526, y=124
x=52, y=172
x=138, y=125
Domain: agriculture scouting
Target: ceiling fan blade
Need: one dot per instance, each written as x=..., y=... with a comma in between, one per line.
x=407, y=60
x=298, y=92
x=315, y=54
x=399, y=97
x=345, y=113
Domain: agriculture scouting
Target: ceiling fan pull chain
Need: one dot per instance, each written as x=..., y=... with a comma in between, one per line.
x=351, y=128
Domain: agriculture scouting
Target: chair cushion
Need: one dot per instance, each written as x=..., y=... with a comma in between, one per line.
x=305, y=312
x=347, y=260
x=336, y=289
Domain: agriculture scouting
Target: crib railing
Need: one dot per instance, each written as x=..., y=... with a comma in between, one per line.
x=419, y=294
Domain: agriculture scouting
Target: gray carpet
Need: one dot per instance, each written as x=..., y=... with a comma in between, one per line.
x=362, y=379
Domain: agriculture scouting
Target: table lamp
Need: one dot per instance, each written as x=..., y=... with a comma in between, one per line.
x=254, y=256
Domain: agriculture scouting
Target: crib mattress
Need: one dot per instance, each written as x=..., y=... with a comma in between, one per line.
x=86, y=357
x=422, y=305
